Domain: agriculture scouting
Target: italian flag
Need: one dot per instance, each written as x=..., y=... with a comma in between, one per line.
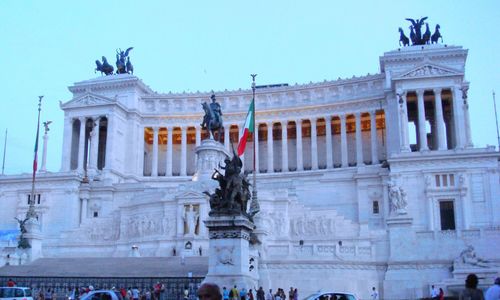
x=248, y=128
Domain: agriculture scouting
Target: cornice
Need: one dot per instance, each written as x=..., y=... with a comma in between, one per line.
x=110, y=82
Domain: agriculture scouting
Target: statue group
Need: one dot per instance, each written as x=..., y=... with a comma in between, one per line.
x=233, y=194
x=416, y=36
x=123, y=64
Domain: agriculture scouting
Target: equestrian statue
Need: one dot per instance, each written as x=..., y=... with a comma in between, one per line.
x=416, y=36
x=123, y=64
x=212, y=120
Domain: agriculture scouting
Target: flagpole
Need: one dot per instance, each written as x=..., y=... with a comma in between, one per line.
x=254, y=173
x=496, y=119
x=31, y=210
x=4, y=151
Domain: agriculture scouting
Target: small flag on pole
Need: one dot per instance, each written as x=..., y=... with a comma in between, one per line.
x=247, y=129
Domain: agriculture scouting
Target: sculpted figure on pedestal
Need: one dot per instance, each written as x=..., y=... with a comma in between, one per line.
x=191, y=218
x=233, y=193
x=468, y=258
x=397, y=198
x=212, y=120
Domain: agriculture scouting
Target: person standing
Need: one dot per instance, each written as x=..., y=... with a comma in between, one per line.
x=493, y=292
x=290, y=293
x=374, y=295
x=235, y=294
x=295, y=294
x=11, y=283
x=261, y=294
x=270, y=296
x=250, y=295
x=243, y=294
x=434, y=292
x=225, y=294
x=471, y=292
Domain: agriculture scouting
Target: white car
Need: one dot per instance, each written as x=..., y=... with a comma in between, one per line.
x=15, y=293
x=331, y=296
x=100, y=295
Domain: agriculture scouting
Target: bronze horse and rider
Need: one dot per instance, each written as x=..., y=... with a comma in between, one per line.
x=212, y=120
x=416, y=36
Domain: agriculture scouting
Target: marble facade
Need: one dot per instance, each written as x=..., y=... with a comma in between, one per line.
x=327, y=154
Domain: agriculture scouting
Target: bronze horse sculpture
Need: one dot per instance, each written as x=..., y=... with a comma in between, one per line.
x=104, y=67
x=211, y=123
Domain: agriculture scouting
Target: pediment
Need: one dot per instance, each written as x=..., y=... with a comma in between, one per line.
x=428, y=70
x=88, y=99
x=190, y=195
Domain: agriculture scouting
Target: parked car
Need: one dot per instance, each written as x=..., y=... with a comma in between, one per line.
x=331, y=296
x=15, y=293
x=100, y=295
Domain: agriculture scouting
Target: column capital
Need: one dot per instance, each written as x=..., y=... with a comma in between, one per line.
x=269, y=123
x=342, y=117
x=155, y=128
x=298, y=121
x=82, y=119
x=328, y=118
x=313, y=119
x=437, y=91
x=284, y=122
x=373, y=112
x=170, y=128
x=357, y=114
x=420, y=92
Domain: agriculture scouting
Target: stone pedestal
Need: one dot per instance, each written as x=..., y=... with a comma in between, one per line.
x=34, y=237
x=209, y=155
x=402, y=243
x=229, y=253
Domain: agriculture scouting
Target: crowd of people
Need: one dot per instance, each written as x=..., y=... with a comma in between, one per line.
x=234, y=293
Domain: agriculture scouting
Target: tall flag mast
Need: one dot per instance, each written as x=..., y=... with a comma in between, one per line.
x=254, y=173
x=31, y=210
x=496, y=119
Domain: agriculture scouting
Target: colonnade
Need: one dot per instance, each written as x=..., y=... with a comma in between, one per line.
x=89, y=143
x=447, y=115
x=169, y=150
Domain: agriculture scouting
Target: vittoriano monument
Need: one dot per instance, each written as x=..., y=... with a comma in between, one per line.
x=123, y=64
x=230, y=223
x=416, y=36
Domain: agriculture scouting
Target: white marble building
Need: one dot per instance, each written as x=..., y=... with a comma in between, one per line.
x=367, y=181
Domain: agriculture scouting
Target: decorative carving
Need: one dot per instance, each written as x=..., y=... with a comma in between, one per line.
x=397, y=198
x=314, y=226
x=426, y=71
x=224, y=255
x=230, y=234
x=468, y=258
x=191, y=218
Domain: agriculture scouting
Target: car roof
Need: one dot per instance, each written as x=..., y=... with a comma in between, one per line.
x=319, y=293
x=14, y=287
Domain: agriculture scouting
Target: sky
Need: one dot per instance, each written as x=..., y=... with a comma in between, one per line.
x=191, y=46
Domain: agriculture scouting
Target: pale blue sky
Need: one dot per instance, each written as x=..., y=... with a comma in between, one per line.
x=205, y=45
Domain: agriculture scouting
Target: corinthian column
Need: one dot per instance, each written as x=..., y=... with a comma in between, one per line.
x=329, y=145
x=44, y=153
x=154, y=168
x=373, y=132
x=140, y=165
x=441, y=133
x=270, y=150
x=359, y=141
x=284, y=146
x=405, y=139
x=169, y=150
x=81, y=144
x=300, y=162
x=183, y=151
x=94, y=144
x=343, y=141
x=422, y=133
x=314, y=145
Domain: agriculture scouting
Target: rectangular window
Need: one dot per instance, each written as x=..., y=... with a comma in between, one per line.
x=438, y=182
x=447, y=213
x=375, y=208
x=96, y=214
x=445, y=180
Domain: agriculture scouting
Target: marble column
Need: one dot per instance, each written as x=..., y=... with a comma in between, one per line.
x=154, y=166
x=169, y=150
x=468, y=135
x=197, y=135
x=110, y=137
x=43, y=168
x=141, y=142
x=458, y=118
x=314, y=144
x=284, y=146
x=403, y=111
x=81, y=143
x=373, y=133
x=300, y=161
x=67, y=153
x=329, y=144
x=359, y=141
x=94, y=143
x=439, y=119
x=227, y=130
x=270, y=146
x=183, y=171
x=343, y=141
x=256, y=141
x=422, y=132
x=83, y=212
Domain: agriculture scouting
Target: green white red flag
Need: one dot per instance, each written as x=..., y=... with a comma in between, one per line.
x=247, y=129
